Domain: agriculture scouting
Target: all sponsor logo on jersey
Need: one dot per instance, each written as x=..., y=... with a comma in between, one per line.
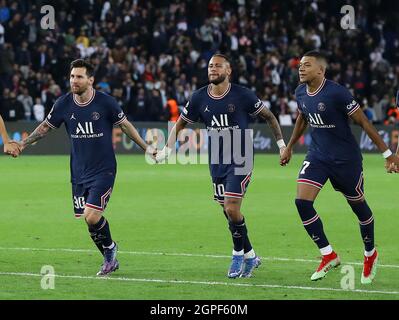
x=221, y=122
x=315, y=119
x=86, y=128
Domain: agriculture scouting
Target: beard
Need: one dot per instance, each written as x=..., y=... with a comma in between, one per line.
x=218, y=80
x=80, y=90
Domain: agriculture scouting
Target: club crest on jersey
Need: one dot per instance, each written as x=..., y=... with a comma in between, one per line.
x=321, y=106
x=231, y=108
x=95, y=116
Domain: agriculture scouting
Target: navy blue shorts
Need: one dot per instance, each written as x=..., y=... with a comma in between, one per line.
x=232, y=186
x=346, y=177
x=94, y=194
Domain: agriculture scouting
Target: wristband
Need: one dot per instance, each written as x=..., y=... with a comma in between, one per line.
x=387, y=153
x=281, y=143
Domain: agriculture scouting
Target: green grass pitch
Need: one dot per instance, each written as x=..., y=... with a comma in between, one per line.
x=173, y=239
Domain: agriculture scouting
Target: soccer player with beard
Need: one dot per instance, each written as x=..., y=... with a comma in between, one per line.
x=226, y=108
x=89, y=117
x=333, y=154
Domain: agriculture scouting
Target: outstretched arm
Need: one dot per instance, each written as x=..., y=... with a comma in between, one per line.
x=39, y=133
x=3, y=131
x=132, y=133
x=179, y=125
x=392, y=161
x=299, y=129
x=10, y=147
x=271, y=120
x=165, y=152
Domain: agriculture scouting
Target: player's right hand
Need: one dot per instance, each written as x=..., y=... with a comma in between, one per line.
x=392, y=164
x=163, y=154
x=285, y=156
x=13, y=148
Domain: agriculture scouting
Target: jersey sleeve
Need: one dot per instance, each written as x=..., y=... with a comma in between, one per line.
x=346, y=101
x=55, y=117
x=255, y=105
x=190, y=111
x=117, y=114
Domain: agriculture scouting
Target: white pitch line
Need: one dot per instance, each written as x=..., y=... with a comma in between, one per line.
x=187, y=255
x=207, y=283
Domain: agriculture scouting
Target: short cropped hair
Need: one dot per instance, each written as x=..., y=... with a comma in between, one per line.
x=320, y=56
x=81, y=63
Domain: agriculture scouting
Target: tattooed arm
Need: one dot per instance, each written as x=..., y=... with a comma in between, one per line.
x=40, y=132
x=271, y=120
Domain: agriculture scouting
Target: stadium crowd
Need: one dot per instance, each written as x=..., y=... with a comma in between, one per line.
x=151, y=55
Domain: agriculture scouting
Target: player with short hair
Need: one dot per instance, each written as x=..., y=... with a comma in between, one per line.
x=89, y=117
x=333, y=155
x=10, y=147
x=226, y=108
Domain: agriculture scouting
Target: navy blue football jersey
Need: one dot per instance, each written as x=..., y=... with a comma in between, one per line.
x=327, y=112
x=229, y=112
x=89, y=128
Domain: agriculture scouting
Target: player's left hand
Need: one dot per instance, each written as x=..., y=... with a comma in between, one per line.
x=392, y=168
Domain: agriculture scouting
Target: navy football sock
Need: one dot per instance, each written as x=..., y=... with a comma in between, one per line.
x=366, y=223
x=97, y=241
x=239, y=233
x=247, y=242
x=101, y=234
x=312, y=222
